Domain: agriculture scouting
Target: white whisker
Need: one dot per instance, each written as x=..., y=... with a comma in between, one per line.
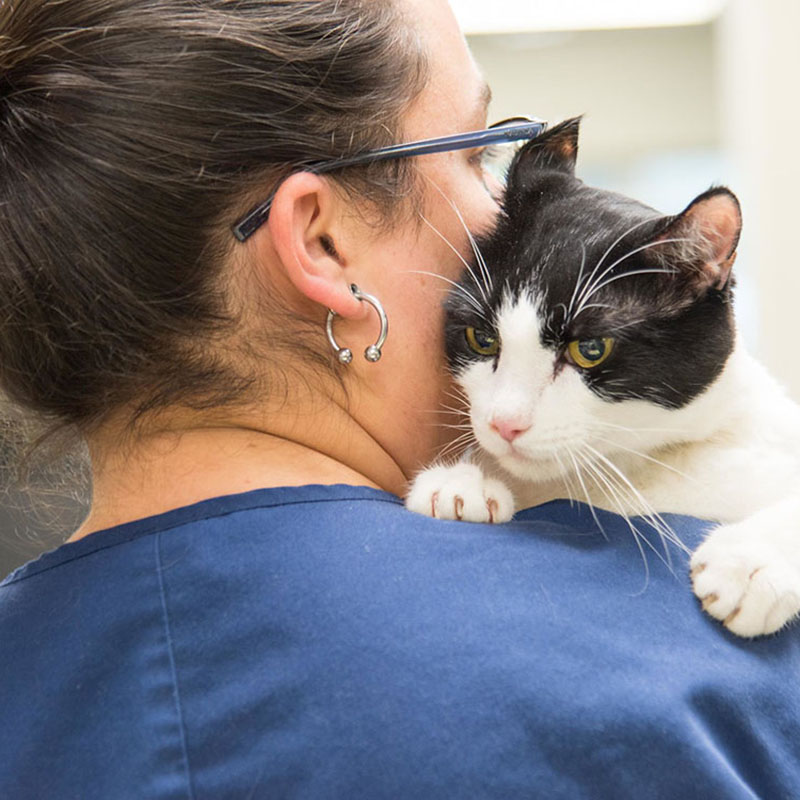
x=578, y=474
x=444, y=409
x=648, y=512
x=464, y=441
x=487, y=278
x=647, y=458
x=609, y=281
x=474, y=302
x=568, y=311
x=594, y=305
x=608, y=252
x=611, y=491
x=450, y=425
x=463, y=260
x=633, y=497
x=565, y=478
x=639, y=430
x=598, y=283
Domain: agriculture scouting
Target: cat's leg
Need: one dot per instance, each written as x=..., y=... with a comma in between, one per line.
x=747, y=574
x=460, y=491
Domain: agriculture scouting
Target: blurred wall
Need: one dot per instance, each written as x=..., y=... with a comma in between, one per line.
x=759, y=68
x=641, y=90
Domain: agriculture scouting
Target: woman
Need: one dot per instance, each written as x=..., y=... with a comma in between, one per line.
x=248, y=610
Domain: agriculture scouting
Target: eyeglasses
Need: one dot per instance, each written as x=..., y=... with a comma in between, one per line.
x=500, y=143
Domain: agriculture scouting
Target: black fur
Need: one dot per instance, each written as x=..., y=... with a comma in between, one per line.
x=674, y=330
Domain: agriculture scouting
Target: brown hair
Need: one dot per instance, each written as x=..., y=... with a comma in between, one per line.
x=132, y=135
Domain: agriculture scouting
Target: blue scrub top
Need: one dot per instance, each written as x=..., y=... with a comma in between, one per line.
x=323, y=642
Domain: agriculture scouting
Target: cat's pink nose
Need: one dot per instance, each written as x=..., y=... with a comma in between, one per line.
x=510, y=428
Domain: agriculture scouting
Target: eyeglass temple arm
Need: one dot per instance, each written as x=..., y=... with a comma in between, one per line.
x=511, y=132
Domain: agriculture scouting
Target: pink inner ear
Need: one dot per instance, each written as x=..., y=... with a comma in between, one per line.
x=719, y=222
x=714, y=223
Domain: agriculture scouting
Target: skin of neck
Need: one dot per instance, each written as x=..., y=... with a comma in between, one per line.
x=183, y=457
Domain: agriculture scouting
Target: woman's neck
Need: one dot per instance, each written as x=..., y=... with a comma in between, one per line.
x=171, y=469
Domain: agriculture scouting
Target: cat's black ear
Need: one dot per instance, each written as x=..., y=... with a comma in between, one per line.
x=555, y=149
x=701, y=241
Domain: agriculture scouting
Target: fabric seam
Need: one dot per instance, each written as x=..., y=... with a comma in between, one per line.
x=170, y=652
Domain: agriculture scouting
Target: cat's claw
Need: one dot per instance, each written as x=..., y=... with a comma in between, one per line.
x=460, y=492
x=744, y=584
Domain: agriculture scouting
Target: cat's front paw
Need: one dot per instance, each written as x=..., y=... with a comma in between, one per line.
x=744, y=583
x=460, y=491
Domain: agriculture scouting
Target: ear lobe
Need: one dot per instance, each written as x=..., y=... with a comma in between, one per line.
x=303, y=225
x=555, y=149
x=701, y=241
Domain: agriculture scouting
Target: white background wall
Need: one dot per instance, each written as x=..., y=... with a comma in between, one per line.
x=759, y=67
x=641, y=90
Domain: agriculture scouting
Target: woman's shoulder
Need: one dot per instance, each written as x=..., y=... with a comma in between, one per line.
x=325, y=641
x=338, y=510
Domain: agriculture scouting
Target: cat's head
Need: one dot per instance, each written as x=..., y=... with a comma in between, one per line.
x=593, y=316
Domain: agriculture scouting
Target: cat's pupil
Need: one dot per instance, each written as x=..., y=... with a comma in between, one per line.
x=592, y=349
x=484, y=339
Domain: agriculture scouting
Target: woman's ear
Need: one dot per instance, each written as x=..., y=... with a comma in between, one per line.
x=304, y=225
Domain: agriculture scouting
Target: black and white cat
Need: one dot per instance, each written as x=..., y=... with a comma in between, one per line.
x=595, y=344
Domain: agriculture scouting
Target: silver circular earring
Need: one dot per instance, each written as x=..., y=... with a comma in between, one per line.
x=373, y=352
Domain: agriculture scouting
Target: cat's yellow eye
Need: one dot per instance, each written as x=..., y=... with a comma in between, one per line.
x=481, y=342
x=589, y=353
